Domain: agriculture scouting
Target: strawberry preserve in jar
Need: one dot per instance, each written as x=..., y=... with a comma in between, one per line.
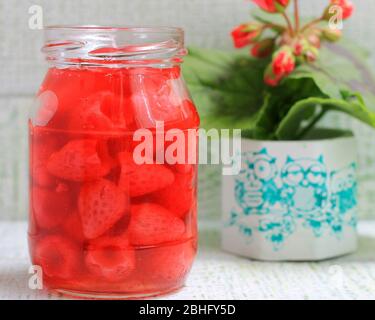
x=113, y=163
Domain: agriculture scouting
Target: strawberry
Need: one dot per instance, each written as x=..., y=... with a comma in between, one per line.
x=142, y=179
x=58, y=256
x=180, y=149
x=110, y=257
x=119, y=110
x=66, y=92
x=101, y=111
x=51, y=207
x=111, y=263
x=79, y=160
x=42, y=145
x=112, y=239
x=158, y=96
x=72, y=227
x=183, y=168
x=151, y=224
x=41, y=176
x=101, y=204
x=167, y=265
x=179, y=196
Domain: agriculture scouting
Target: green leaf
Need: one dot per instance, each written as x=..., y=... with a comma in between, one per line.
x=229, y=91
x=227, y=88
x=326, y=133
x=278, y=102
x=312, y=109
x=340, y=67
x=340, y=74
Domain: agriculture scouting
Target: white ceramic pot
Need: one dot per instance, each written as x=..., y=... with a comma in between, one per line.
x=292, y=201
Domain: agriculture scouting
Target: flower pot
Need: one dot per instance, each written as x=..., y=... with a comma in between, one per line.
x=292, y=200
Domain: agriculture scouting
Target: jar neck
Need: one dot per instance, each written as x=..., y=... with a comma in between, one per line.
x=92, y=46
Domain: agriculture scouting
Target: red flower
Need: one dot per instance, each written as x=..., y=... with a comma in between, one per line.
x=311, y=55
x=245, y=34
x=346, y=6
x=272, y=5
x=263, y=48
x=270, y=78
x=283, y=62
x=300, y=47
x=306, y=50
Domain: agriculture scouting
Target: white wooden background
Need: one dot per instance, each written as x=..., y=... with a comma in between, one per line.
x=207, y=23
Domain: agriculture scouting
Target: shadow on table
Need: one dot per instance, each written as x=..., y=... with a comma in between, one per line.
x=365, y=252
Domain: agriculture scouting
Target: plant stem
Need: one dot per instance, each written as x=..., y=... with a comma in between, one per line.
x=290, y=26
x=311, y=125
x=296, y=15
x=311, y=24
x=274, y=26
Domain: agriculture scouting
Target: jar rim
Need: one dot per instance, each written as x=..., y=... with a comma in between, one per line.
x=114, y=28
x=94, y=45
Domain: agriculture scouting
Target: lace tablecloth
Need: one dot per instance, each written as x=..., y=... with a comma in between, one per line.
x=218, y=275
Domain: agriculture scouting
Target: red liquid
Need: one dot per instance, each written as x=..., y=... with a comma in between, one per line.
x=101, y=225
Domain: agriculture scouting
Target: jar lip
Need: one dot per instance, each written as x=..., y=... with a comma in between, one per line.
x=133, y=29
x=114, y=46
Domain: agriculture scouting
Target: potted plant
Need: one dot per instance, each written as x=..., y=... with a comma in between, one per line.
x=296, y=195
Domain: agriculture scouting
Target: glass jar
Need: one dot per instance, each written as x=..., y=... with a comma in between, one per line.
x=110, y=215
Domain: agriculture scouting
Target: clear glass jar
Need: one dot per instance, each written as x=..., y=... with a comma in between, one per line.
x=102, y=223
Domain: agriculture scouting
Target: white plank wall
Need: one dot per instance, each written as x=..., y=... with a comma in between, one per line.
x=207, y=23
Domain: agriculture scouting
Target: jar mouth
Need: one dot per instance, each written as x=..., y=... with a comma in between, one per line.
x=135, y=29
x=116, y=46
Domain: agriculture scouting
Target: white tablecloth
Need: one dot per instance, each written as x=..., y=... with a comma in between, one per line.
x=217, y=275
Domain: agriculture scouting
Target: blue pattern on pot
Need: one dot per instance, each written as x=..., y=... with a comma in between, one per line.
x=299, y=193
x=256, y=189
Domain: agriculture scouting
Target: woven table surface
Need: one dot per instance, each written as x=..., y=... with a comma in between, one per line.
x=218, y=275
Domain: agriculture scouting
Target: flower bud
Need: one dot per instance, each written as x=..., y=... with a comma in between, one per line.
x=347, y=8
x=300, y=47
x=314, y=37
x=331, y=35
x=311, y=54
x=272, y=6
x=270, y=78
x=283, y=62
x=304, y=51
x=263, y=48
x=246, y=34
